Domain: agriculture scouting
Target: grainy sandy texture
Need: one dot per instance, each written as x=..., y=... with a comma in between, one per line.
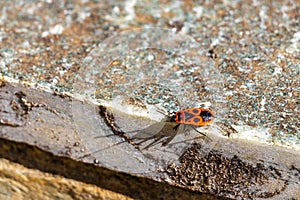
x=18, y=182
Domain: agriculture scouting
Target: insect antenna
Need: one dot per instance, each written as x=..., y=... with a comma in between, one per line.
x=162, y=112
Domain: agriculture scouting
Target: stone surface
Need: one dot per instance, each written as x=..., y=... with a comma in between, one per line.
x=18, y=182
x=221, y=164
x=50, y=141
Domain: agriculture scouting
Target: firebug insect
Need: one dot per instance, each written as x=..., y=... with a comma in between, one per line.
x=163, y=132
x=194, y=117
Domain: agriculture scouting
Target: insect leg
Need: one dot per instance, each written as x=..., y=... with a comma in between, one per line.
x=168, y=140
x=197, y=130
x=176, y=127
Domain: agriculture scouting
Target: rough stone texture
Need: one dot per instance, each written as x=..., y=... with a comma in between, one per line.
x=230, y=169
x=48, y=141
x=18, y=182
x=233, y=176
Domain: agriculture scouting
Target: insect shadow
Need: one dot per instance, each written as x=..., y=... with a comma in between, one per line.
x=157, y=135
x=163, y=133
